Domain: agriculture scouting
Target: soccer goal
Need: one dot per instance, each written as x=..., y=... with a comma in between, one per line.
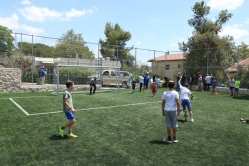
x=109, y=78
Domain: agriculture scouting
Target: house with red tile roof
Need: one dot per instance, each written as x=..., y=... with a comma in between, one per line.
x=167, y=65
x=244, y=64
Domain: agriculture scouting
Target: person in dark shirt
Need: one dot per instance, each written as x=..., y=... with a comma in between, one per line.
x=93, y=85
x=133, y=86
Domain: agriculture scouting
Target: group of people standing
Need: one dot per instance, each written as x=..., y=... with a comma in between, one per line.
x=234, y=86
x=205, y=82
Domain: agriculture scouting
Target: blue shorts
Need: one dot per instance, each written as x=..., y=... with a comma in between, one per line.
x=70, y=115
x=236, y=89
x=186, y=102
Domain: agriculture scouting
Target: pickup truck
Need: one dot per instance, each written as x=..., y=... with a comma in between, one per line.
x=112, y=77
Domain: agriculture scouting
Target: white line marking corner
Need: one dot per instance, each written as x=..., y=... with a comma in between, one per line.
x=23, y=110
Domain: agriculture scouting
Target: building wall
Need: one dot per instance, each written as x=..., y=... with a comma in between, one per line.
x=158, y=67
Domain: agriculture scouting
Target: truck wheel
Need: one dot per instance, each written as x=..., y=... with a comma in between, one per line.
x=124, y=84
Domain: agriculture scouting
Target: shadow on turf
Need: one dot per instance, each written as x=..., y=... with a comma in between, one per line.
x=57, y=137
x=181, y=120
x=160, y=142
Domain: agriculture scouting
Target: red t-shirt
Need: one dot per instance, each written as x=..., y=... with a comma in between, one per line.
x=153, y=86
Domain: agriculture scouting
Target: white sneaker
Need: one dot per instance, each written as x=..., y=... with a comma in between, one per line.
x=192, y=120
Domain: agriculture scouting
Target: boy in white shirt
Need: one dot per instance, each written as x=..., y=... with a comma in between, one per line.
x=185, y=92
x=170, y=110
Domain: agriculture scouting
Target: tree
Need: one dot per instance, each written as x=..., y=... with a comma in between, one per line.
x=114, y=45
x=39, y=49
x=72, y=44
x=206, y=47
x=243, y=51
x=6, y=41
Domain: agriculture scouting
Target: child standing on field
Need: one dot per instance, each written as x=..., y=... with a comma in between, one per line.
x=68, y=110
x=170, y=110
x=133, y=86
x=236, y=89
x=153, y=88
x=214, y=86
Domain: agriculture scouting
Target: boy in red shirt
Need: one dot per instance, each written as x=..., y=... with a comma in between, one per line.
x=153, y=88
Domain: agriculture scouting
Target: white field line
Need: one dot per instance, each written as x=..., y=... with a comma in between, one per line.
x=26, y=97
x=19, y=107
x=135, y=104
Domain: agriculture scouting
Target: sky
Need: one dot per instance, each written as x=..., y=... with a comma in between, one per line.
x=154, y=24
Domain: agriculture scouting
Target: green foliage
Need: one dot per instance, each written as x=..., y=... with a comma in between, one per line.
x=243, y=51
x=243, y=74
x=114, y=45
x=18, y=62
x=206, y=47
x=78, y=75
x=71, y=44
x=6, y=41
x=39, y=49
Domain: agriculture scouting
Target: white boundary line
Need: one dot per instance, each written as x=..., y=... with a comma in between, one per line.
x=19, y=107
x=98, y=108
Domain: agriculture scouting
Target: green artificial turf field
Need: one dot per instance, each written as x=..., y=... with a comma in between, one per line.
x=122, y=129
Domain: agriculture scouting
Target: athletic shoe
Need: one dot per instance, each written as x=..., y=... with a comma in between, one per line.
x=167, y=140
x=72, y=135
x=175, y=140
x=241, y=119
x=192, y=120
x=61, y=132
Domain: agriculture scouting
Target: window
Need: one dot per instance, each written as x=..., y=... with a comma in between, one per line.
x=167, y=67
x=106, y=73
x=113, y=73
x=179, y=66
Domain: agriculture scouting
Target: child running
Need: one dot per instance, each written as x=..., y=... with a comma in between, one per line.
x=68, y=110
x=185, y=92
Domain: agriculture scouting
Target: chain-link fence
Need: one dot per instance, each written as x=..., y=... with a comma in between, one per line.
x=31, y=52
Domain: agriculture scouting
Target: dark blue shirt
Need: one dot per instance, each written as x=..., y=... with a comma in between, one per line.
x=41, y=73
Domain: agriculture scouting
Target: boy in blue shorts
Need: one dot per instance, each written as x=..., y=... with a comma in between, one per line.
x=68, y=110
x=185, y=92
x=170, y=110
x=236, y=89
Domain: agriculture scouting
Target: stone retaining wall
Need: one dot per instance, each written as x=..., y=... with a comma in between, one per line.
x=10, y=79
x=223, y=89
x=10, y=82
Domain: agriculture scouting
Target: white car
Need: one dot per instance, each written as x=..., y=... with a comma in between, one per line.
x=112, y=77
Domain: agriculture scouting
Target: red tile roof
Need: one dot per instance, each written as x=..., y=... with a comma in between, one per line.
x=243, y=63
x=169, y=57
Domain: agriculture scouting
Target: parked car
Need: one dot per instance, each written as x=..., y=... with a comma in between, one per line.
x=112, y=78
x=222, y=85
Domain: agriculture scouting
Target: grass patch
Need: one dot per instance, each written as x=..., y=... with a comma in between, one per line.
x=124, y=134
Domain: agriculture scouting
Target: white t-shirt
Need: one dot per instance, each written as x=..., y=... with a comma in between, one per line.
x=231, y=82
x=170, y=97
x=200, y=79
x=141, y=79
x=157, y=80
x=208, y=79
x=184, y=92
